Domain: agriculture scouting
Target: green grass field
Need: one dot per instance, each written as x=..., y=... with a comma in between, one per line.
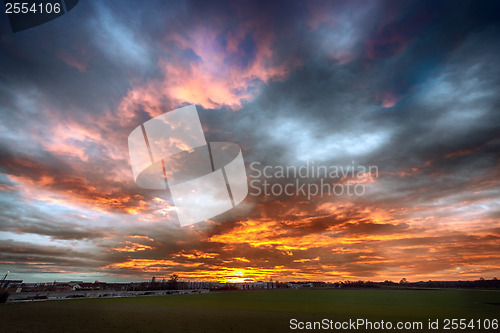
x=252, y=311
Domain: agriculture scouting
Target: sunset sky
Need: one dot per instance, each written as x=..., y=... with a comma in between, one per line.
x=411, y=87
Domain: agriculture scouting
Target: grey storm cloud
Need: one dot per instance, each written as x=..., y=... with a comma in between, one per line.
x=409, y=87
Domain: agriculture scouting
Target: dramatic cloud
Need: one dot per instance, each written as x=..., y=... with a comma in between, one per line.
x=409, y=88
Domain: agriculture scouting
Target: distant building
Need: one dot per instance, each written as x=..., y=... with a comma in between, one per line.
x=12, y=286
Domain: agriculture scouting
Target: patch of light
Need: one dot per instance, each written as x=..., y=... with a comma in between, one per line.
x=45, y=241
x=117, y=40
x=306, y=145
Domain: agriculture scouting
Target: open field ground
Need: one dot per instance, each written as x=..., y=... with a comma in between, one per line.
x=251, y=311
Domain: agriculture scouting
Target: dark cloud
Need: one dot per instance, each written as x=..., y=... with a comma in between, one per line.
x=410, y=87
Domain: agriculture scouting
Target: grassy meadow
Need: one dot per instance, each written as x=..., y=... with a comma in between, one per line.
x=250, y=311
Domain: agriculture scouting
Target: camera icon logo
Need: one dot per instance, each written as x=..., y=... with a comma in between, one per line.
x=205, y=178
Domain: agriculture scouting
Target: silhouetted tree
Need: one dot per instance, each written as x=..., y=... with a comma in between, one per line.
x=4, y=295
x=172, y=282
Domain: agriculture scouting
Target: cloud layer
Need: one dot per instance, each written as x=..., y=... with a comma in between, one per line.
x=411, y=88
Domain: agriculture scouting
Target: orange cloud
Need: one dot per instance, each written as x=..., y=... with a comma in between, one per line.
x=215, y=78
x=197, y=255
x=132, y=247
